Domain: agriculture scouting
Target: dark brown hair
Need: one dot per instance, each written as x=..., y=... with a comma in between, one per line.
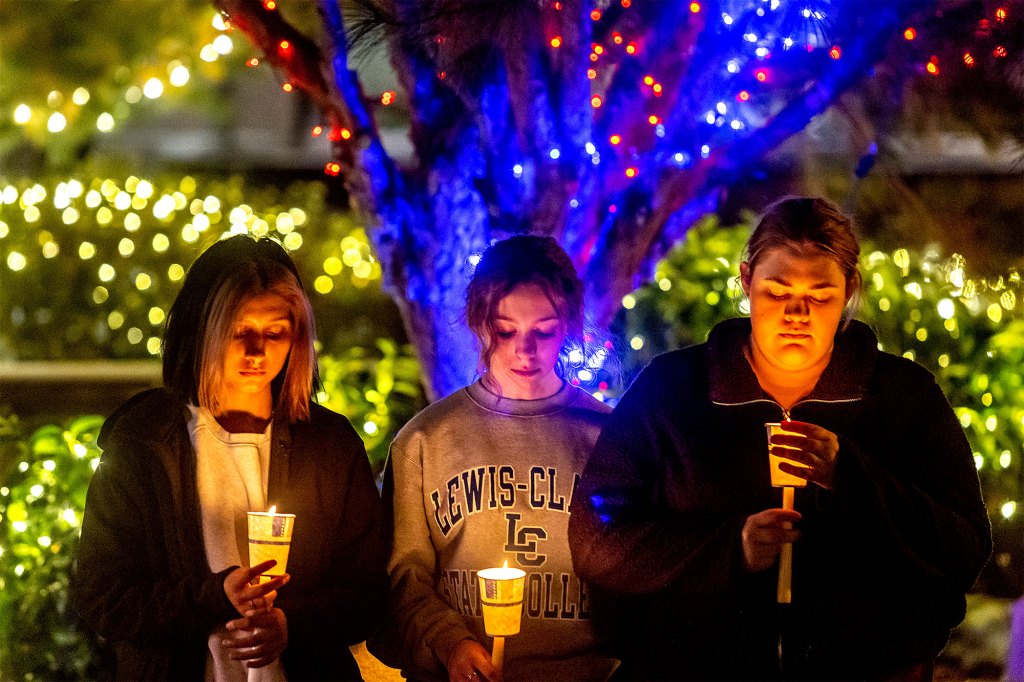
x=524, y=259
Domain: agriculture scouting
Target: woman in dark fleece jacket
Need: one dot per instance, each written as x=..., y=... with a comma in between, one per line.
x=676, y=516
x=162, y=562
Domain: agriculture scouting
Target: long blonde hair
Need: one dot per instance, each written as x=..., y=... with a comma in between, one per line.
x=201, y=322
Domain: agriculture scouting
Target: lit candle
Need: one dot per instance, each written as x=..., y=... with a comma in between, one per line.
x=270, y=537
x=501, y=594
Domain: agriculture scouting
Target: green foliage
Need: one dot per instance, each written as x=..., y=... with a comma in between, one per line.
x=89, y=267
x=41, y=504
x=377, y=389
x=969, y=332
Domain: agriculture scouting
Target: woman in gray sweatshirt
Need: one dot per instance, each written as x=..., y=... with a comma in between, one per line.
x=487, y=475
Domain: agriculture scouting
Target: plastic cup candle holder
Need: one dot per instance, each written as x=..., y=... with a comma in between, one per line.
x=270, y=537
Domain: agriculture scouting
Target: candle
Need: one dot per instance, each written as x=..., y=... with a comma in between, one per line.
x=501, y=594
x=784, y=591
x=270, y=537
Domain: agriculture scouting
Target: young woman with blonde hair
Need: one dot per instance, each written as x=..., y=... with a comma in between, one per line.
x=162, y=568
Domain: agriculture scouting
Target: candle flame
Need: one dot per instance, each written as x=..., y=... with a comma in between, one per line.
x=505, y=565
x=273, y=508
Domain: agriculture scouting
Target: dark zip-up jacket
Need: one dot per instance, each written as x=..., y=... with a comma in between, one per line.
x=885, y=557
x=142, y=579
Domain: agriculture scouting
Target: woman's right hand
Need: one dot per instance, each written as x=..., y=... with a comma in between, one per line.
x=764, y=533
x=251, y=599
x=470, y=662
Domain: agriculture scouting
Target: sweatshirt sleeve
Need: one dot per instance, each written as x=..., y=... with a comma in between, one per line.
x=347, y=607
x=422, y=628
x=622, y=534
x=117, y=589
x=926, y=511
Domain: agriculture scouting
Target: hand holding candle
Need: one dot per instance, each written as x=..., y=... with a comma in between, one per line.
x=501, y=593
x=788, y=482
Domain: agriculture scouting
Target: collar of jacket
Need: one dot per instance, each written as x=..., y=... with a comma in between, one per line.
x=733, y=381
x=155, y=417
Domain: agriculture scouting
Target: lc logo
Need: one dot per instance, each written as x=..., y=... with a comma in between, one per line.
x=523, y=541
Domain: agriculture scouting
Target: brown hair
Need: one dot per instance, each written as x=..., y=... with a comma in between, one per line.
x=199, y=325
x=810, y=221
x=524, y=259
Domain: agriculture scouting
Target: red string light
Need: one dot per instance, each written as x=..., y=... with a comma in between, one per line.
x=653, y=120
x=632, y=172
x=556, y=41
x=761, y=75
x=332, y=169
x=287, y=87
x=317, y=131
x=596, y=101
x=631, y=48
x=615, y=139
x=835, y=52
x=253, y=62
x=933, y=66
x=591, y=74
x=968, y=59
x=910, y=34
x=270, y=5
x=695, y=7
x=743, y=96
x=595, y=15
x=648, y=80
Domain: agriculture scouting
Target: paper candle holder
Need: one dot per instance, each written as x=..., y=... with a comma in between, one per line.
x=270, y=537
x=501, y=595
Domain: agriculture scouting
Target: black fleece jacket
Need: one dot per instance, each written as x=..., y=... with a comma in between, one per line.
x=142, y=578
x=884, y=559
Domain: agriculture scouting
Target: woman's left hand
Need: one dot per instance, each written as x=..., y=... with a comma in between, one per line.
x=259, y=638
x=815, y=447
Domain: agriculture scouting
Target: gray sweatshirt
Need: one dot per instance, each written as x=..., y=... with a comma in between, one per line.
x=474, y=480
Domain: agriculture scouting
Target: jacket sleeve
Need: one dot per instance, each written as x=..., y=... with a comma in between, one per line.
x=118, y=588
x=623, y=535
x=422, y=630
x=924, y=510
x=347, y=606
